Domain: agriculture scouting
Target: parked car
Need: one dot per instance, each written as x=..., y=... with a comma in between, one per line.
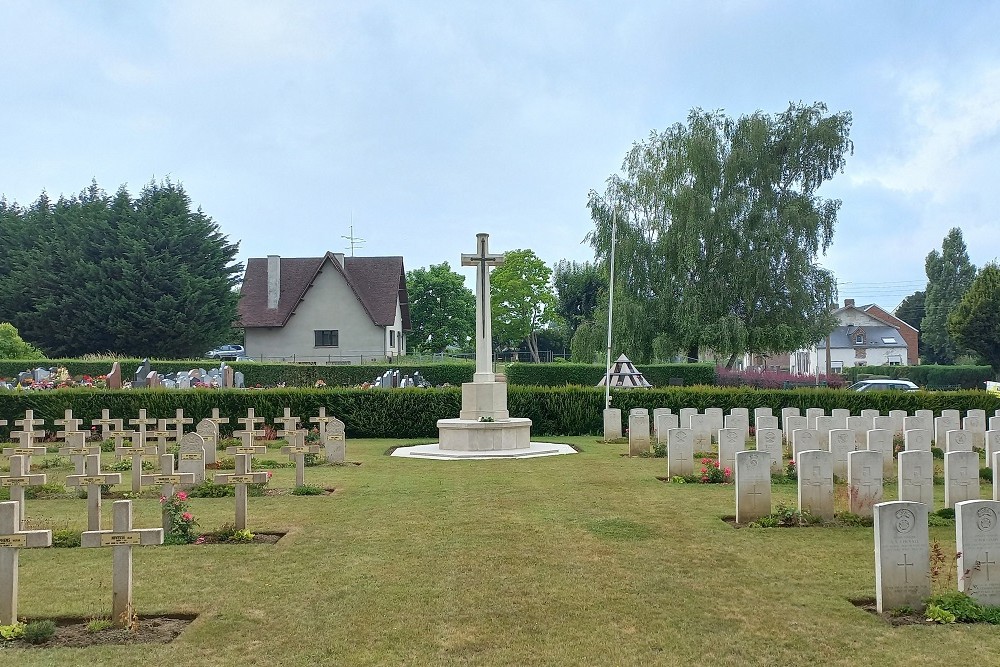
x=883, y=385
x=229, y=352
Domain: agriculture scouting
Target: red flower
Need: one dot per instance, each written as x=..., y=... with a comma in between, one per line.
x=187, y=516
x=181, y=495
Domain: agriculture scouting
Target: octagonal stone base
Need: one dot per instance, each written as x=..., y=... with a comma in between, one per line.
x=472, y=435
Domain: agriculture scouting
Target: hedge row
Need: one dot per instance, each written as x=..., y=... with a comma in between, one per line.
x=929, y=375
x=264, y=374
x=588, y=375
x=413, y=413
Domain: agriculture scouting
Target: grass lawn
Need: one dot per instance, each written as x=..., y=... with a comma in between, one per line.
x=585, y=559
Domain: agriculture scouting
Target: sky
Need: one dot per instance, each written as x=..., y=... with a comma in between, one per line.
x=423, y=123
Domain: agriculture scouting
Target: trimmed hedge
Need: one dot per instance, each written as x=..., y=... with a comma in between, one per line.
x=413, y=413
x=266, y=375
x=588, y=375
x=930, y=376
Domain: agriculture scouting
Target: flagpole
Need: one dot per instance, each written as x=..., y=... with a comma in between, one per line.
x=611, y=303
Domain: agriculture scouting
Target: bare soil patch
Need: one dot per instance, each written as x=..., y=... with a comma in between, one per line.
x=73, y=632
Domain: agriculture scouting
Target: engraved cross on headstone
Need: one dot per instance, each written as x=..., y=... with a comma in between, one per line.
x=987, y=563
x=906, y=565
x=482, y=259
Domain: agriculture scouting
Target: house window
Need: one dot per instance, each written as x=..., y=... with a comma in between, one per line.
x=392, y=338
x=889, y=341
x=327, y=337
x=859, y=339
x=837, y=367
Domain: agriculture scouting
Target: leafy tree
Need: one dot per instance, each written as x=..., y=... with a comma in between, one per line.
x=147, y=276
x=578, y=288
x=442, y=309
x=911, y=311
x=719, y=231
x=521, y=300
x=974, y=324
x=13, y=347
x=949, y=276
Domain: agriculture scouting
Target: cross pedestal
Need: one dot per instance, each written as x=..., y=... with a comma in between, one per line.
x=94, y=478
x=296, y=451
x=12, y=540
x=19, y=478
x=242, y=477
x=168, y=478
x=121, y=538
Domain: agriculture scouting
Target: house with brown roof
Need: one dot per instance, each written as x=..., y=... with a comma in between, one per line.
x=325, y=310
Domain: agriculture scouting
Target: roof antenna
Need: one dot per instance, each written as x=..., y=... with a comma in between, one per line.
x=356, y=241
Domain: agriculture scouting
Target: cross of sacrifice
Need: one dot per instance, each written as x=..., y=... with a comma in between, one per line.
x=69, y=424
x=482, y=259
x=12, y=540
x=94, y=478
x=288, y=423
x=906, y=564
x=178, y=422
x=136, y=448
x=244, y=475
x=18, y=478
x=107, y=424
x=122, y=537
x=296, y=451
x=168, y=478
x=77, y=449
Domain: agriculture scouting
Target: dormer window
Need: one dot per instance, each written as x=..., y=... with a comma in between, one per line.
x=859, y=339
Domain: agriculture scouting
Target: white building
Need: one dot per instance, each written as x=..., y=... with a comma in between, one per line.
x=860, y=339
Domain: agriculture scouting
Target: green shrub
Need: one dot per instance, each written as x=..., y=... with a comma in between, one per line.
x=64, y=538
x=939, y=615
x=211, y=490
x=39, y=632
x=964, y=608
x=307, y=490
x=99, y=625
x=588, y=375
x=50, y=490
x=11, y=632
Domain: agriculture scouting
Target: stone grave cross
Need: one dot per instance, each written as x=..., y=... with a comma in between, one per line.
x=288, y=422
x=142, y=422
x=161, y=435
x=122, y=537
x=94, y=478
x=217, y=419
x=242, y=477
x=20, y=477
x=77, y=449
x=27, y=450
x=69, y=424
x=168, y=478
x=296, y=451
x=248, y=433
x=483, y=260
x=136, y=449
x=28, y=425
x=107, y=424
x=322, y=420
x=178, y=423
x=12, y=540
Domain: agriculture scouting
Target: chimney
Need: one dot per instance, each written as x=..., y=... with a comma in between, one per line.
x=848, y=303
x=339, y=256
x=273, y=280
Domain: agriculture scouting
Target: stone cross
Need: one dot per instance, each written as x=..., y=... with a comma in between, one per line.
x=12, y=540
x=482, y=259
x=108, y=424
x=217, y=419
x=288, y=423
x=248, y=433
x=242, y=477
x=191, y=456
x=122, y=537
x=22, y=449
x=902, y=555
x=20, y=477
x=161, y=435
x=142, y=422
x=78, y=449
x=208, y=429
x=136, y=449
x=322, y=420
x=296, y=451
x=167, y=479
x=178, y=422
x=69, y=424
x=94, y=478
x=28, y=425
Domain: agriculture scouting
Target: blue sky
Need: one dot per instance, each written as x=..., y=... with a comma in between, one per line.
x=427, y=122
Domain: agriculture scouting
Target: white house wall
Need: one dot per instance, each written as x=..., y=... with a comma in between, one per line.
x=329, y=304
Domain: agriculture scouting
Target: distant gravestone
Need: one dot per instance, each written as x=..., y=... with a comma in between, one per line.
x=824, y=425
x=793, y=424
x=884, y=423
x=802, y=440
x=730, y=442
x=917, y=440
x=716, y=419
x=663, y=422
x=766, y=421
x=762, y=412
x=239, y=380
x=870, y=414
x=860, y=426
x=977, y=541
x=902, y=555
x=994, y=423
x=954, y=415
x=941, y=427
x=992, y=446
x=927, y=418
x=702, y=432
x=880, y=440
x=842, y=442
x=209, y=432
x=815, y=476
x=191, y=457
x=685, y=417
x=335, y=443
x=753, y=486
x=769, y=440
x=141, y=373
x=864, y=482
x=840, y=416
x=612, y=424
x=296, y=450
x=897, y=417
x=680, y=452
x=958, y=441
x=916, y=477
x=961, y=477
x=975, y=426
x=638, y=432
x=812, y=414
x=785, y=414
x=741, y=423
x=153, y=380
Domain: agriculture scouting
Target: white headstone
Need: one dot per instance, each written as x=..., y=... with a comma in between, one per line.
x=842, y=442
x=977, y=542
x=916, y=477
x=702, y=432
x=864, y=481
x=815, y=476
x=785, y=414
x=762, y=412
x=880, y=440
x=740, y=423
x=191, y=456
x=958, y=441
x=612, y=424
x=663, y=422
x=961, y=477
x=753, y=486
x=941, y=427
x=766, y=421
x=716, y=418
x=792, y=424
x=917, y=440
x=975, y=425
x=638, y=432
x=902, y=555
x=802, y=440
x=730, y=442
x=685, y=416
x=680, y=452
x=769, y=440
x=840, y=416
x=824, y=424
x=897, y=417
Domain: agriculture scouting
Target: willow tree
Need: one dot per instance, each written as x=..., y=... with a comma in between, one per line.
x=719, y=232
